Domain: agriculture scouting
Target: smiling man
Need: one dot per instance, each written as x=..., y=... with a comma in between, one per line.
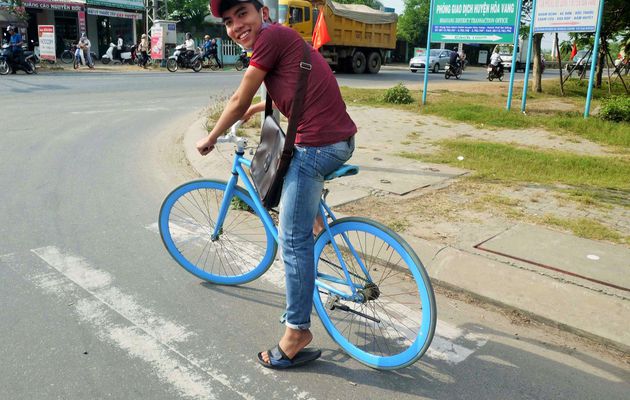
x=324, y=141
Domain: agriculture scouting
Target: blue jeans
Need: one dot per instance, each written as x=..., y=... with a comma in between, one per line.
x=299, y=205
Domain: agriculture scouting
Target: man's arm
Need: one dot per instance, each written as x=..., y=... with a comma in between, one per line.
x=235, y=108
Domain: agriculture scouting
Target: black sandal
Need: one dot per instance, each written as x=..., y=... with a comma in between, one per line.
x=279, y=360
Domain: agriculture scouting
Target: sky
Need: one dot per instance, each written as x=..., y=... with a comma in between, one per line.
x=547, y=42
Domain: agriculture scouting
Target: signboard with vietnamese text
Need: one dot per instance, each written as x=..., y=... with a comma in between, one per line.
x=113, y=13
x=46, y=37
x=473, y=21
x=54, y=5
x=157, y=42
x=566, y=15
x=81, y=16
x=124, y=4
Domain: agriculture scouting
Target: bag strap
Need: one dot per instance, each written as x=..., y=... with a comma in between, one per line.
x=298, y=101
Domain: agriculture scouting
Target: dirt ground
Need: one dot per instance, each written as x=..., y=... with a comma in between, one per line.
x=450, y=212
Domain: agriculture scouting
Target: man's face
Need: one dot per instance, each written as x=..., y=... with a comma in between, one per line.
x=243, y=23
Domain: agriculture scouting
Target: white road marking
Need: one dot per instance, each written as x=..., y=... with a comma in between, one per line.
x=147, y=335
x=450, y=343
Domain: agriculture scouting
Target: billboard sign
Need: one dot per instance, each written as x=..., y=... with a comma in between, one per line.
x=473, y=21
x=46, y=36
x=157, y=42
x=566, y=15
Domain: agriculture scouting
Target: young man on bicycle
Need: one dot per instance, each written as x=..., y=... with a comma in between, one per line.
x=324, y=141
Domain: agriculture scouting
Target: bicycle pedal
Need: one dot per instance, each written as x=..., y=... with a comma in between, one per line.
x=332, y=302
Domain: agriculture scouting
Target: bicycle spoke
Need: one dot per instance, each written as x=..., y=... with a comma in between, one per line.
x=386, y=320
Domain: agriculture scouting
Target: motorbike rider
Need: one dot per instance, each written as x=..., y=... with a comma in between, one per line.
x=211, y=50
x=15, y=45
x=190, y=46
x=454, y=59
x=84, y=46
x=496, y=62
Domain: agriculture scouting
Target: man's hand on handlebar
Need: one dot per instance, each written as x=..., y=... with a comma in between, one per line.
x=206, y=145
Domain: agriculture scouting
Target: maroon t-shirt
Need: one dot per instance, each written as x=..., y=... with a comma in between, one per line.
x=279, y=51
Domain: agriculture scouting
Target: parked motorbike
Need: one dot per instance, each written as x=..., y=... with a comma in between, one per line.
x=243, y=61
x=125, y=56
x=181, y=59
x=495, y=72
x=9, y=64
x=452, y=70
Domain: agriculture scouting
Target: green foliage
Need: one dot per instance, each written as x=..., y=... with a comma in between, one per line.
x=398, y=94
x=616, y=109
x=190, y=13
x=413, y=23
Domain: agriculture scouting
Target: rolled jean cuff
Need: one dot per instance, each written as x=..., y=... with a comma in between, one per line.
x=300, y=327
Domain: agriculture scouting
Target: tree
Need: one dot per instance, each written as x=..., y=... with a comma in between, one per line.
x=17, y=8
x=190, y=13
x=526, y=18
x=615, y=22
x=413, y=24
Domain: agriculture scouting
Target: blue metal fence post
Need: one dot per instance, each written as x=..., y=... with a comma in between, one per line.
x=594, y=59
x=529, y=56
x=517, y=28
x=426, y=63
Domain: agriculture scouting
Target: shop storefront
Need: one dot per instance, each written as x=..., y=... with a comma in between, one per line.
x=68, y=17
x=107, y=19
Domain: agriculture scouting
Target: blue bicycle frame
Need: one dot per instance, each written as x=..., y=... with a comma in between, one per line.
x=325, y=211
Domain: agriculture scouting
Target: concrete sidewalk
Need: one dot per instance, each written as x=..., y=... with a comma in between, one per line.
x=575, y=284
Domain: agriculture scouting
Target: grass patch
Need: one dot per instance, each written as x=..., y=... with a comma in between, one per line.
x=488, y=111
x=399, y=225
x=500, y=162
x=586, y=228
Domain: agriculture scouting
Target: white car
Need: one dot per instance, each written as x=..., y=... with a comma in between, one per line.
x=438, y=58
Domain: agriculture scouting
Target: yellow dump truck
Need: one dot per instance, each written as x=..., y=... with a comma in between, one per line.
x=360, y=37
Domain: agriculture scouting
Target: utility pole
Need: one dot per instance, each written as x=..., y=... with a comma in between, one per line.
x=158, y=10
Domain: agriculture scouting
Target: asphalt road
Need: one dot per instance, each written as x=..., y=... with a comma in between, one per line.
x=94, y=308
x=389, y=76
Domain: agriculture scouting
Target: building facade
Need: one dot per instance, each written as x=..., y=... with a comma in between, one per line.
x=102, y=20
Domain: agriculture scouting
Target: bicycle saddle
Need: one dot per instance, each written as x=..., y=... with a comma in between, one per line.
x=344, y=170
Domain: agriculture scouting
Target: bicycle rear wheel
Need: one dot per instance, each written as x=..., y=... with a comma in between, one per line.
x=244, y=248
x=392, y=325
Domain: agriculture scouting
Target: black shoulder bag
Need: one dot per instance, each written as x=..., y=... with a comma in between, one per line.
x=273, y=155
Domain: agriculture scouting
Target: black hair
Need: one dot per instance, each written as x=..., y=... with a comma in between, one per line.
x=227, y=4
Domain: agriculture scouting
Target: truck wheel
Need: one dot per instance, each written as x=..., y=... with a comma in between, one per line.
x=374, y=63
x=358, y=62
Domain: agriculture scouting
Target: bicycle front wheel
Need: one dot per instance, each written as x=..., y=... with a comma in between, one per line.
x=391, y=322
x=243, y=248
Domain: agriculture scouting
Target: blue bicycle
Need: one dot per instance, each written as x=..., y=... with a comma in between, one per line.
x=372, y=293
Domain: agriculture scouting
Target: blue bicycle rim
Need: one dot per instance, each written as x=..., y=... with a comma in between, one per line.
x=427, y=324
x=169, y=243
